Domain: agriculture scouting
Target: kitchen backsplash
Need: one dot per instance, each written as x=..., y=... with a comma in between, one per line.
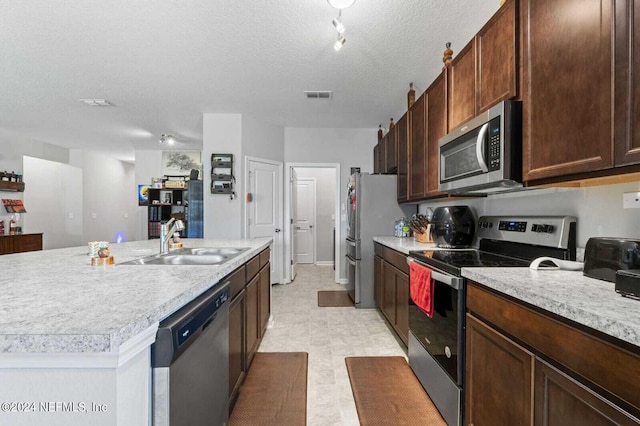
x=598, y=208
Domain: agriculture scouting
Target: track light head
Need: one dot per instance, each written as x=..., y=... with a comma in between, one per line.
x=341, y=41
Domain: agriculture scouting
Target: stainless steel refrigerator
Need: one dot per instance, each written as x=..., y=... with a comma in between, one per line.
x=372, y=210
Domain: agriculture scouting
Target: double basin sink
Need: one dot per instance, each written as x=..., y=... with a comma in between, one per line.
x=190, y=256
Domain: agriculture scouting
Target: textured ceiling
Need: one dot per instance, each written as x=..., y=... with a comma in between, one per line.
x=165, y=63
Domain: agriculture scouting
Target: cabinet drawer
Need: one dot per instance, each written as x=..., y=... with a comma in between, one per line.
x=397, y=259
x=596, y=360
x=264, y=257
x=253, y=267
x=237, y=279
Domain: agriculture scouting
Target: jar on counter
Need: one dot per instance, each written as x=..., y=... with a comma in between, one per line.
x=401, y=228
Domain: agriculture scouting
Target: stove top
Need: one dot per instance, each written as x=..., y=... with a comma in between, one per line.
x=452, y=261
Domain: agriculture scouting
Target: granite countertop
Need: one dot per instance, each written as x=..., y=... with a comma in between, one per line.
x=55, y=301
x=569, y=294
x=404, y=245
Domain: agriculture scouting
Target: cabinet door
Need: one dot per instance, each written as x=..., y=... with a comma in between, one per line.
x=376, y=154
x=236, y=344
x=265, y=298
x=252, y=319
x=497, y=44
x=402, y=306
x=567, y=95
x=390, y=152
x=462, y=86
x=417, y=148
x=389, y=293
x=402, y=140
x=436, y=128
x=627, y=113
x=499, y=378
x=377, y=280
x=560, y=400
x=6, y=244
x=382, y=159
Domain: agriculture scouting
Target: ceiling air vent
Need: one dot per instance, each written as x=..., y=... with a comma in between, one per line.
x=96, y=102
x=326, y=94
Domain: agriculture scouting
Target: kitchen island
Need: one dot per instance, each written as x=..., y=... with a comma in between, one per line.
x=75, y=338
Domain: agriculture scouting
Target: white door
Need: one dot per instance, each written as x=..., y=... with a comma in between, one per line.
x=265, y=218
x=305, y=220
x=293, y=233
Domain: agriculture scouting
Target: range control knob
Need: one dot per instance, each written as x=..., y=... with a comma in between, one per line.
x=549, y=229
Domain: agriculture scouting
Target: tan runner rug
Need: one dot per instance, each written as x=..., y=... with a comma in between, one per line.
x=274, y=392
x=334, y=298
x=388, y=393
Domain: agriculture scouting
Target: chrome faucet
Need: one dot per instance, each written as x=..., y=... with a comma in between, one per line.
x=166, y=232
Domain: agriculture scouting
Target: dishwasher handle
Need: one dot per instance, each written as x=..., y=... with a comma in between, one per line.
x=178, y=331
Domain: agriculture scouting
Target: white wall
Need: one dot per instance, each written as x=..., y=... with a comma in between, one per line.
x=53, y=199
x=598, y=208
x=109, y=197
x=348, y=147
x=222, y=134
x=325, y=179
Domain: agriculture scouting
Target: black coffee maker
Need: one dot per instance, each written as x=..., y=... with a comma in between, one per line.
x=453, y=226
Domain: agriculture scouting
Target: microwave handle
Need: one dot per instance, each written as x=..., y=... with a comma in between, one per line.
x=479, y=144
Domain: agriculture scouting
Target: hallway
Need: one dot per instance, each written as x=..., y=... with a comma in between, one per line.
x=328, y=335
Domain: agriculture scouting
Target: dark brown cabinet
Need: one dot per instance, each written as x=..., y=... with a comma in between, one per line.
x=436, y=128
x=577, y=377
x=376, y=159
x=390, y=152
x=627, y=75
x=568, y=48
x=20, y=243
x=497, y=58
x=461, y=80
x=499, y=377
x=249, y=313
x=392, y=281
x=417, y=148
x=402, y=141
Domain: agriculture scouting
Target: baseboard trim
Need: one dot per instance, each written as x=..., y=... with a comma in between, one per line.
x=344, y=281
x=325, y=263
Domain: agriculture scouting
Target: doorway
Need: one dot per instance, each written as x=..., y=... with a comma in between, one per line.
x=263, y=214
x=305, y=219
x=325, y=226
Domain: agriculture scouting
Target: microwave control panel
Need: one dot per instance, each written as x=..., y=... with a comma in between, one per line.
x=494, y=145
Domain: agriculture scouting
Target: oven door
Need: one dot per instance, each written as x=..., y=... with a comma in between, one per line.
x=442, y=335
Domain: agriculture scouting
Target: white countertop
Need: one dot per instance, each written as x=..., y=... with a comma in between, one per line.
x=404, y=245
x=55, y=301
x=587, y=301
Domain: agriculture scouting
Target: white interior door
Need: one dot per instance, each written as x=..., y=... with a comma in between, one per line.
x=293, y=233
x=265, y=218
x=305, y=220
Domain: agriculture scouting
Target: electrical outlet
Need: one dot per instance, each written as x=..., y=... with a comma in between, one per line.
x=126, y=215
x=94, y=216
x=71, y=215
x=631, y=200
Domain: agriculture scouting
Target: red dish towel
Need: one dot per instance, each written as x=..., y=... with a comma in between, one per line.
x=421, y=287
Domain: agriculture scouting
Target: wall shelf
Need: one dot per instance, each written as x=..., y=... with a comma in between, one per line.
x=222, y=179
x=11, y=186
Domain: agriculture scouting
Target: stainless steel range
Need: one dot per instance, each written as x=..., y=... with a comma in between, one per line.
x=436, y=343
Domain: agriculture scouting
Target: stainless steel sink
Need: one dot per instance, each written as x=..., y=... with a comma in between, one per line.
x=190, y=256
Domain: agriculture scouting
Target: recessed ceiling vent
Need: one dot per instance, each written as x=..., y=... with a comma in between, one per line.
x=326, y=94
x=96, y=102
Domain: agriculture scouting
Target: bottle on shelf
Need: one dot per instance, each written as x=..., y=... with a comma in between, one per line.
x=380, y=132
x=411, y=96
x=391, y=124
x=12, y=226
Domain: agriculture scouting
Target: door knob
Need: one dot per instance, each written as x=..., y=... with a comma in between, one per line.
x=310, y=226
x=278, y=229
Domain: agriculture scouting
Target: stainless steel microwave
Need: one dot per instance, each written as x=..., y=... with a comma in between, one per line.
x=484, y=155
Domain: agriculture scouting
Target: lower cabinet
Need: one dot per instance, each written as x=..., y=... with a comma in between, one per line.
x=525, y=367
x=249, y=313
x=391, y=289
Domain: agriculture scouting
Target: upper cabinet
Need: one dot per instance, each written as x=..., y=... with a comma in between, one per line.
x=485, y=71
x=436, y=96
x=567, y=97
x=462, y=86
x=390, y=152
x=402, y=141
x=627, y=75
x=417, y=148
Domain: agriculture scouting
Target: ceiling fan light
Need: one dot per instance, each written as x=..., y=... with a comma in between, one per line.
x=338, y=45
x=341, y=4
x=167, y=139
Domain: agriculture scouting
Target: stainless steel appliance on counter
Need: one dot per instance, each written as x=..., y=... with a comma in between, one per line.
x=436, y=344
x=484, y=155
x=372, y=211
x=190, y=360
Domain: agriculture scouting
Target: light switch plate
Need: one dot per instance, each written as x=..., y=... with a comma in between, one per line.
x=631, y=200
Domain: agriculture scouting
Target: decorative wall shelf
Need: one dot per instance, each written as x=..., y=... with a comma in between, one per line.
x=222, y=174
x=11, y=186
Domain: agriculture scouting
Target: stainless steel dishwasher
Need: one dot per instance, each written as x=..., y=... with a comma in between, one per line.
x=190, y=360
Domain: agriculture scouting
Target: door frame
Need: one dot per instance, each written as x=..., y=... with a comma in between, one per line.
x=287, y=219
x=278, y=241
x=312, y=179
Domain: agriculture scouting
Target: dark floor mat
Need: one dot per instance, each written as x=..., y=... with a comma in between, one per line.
x=334, y=298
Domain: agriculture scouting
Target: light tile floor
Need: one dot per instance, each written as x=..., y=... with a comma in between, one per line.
x=328, y=335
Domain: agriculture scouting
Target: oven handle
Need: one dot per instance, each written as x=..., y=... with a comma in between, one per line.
x=479, y=143
x=451, y=281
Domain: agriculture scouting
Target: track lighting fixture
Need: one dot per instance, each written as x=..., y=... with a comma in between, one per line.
x=337, y=22
x=341, y=41
x=167, y=139
x=341, y=4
